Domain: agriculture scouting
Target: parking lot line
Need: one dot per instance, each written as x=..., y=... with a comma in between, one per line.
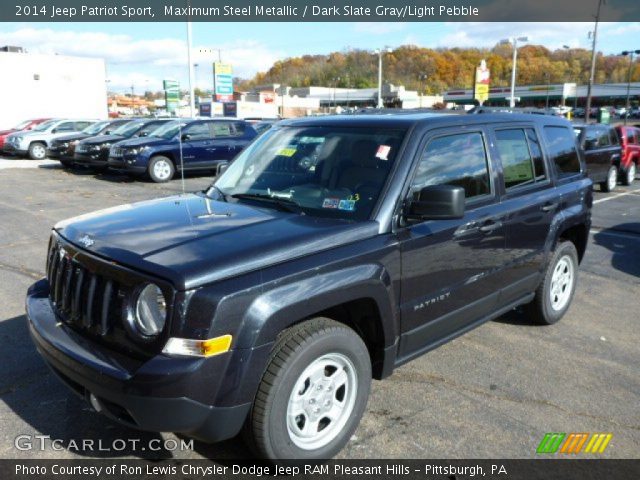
x=629, y=236
x=616, y=196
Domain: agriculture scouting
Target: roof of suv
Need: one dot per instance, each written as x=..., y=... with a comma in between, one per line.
x=411, y=119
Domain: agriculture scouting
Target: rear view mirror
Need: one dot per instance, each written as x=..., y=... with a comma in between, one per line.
x=437, y=202
x=222, y=167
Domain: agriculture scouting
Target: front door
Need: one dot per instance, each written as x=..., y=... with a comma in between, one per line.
x=451, y=269
x=196, y=144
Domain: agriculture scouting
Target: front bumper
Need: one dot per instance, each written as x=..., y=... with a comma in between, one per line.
x=91, y=159
x=121, y=165
x=13, y=149
x=150, y=397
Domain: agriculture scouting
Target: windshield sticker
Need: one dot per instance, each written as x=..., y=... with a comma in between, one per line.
x=383, y=152
x=348, y=205
x=331, y=203
x=287, y=152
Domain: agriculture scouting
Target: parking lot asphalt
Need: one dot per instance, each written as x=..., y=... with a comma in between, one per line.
x=492, y=393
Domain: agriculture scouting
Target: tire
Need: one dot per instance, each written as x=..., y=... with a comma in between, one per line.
x=37, y=151
x=555, y=293
x=161, y=169
x=319, y=368
x=612, y=180
x=629, y=175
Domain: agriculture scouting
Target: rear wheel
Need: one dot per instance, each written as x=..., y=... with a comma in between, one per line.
x=554, y=294
x=612, y=180
x=37, y=151
x=161, y=169
x=313, y=393
x=629, y=175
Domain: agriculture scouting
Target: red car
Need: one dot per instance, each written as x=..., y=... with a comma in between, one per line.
x=26, y=125
x=630, y=160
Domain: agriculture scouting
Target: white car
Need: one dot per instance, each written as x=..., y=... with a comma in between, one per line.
x=620, y=111
x=35, y=143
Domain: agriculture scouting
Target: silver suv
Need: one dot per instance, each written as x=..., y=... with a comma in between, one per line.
x=35, y=143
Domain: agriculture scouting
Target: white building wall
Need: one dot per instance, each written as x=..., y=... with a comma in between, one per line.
x=35, y=85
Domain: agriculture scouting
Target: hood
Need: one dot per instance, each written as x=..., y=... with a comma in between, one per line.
x=72, y=137
x=7, y=132
x=100, y=139
x=145, y=141
x=192, y=240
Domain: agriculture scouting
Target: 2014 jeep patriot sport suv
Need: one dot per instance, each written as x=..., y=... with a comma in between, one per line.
x=331, y=251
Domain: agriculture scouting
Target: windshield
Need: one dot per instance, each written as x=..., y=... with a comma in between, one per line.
x=168, y=131
x=325, y=171
x=128, y=129
x=22, y=125
x=44, y=125
x=95, y=128
x=150, y=128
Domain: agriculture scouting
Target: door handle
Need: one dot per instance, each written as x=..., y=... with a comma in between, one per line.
x=548, y=207
x=490, y=226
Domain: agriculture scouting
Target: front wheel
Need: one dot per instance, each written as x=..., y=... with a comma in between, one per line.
x=37, y=151
x=161, y=169
x=313, y=393
x=630, y=174
x=554, y=294
x=612, y=180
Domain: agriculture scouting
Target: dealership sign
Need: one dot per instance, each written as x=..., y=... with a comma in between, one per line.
x=222, y=82
x=481, y=83
x=171, y=94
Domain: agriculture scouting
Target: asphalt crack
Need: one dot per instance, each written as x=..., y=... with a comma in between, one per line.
x=24, y=271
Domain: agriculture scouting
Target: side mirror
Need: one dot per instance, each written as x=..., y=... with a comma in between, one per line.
x=143, y=134
x=186, y=137
x=222, y=167
x=437, y=202
x=55, y=130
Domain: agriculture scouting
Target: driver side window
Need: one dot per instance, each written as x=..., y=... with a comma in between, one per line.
x=459, y=160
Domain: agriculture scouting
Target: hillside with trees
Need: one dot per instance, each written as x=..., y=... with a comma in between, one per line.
x=436, y=70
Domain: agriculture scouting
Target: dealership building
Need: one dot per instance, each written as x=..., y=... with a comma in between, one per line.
x=39, y=85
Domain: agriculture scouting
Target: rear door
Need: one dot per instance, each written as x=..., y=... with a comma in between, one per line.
x=451, y=269
x=530, y=203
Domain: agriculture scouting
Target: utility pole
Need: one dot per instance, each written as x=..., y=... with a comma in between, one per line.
x=380, y=52
x=192, y=100
x=587, y=112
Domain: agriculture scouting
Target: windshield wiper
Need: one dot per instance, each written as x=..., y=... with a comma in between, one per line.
x=284, y=203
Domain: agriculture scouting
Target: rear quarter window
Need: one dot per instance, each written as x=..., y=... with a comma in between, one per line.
x=561, y=145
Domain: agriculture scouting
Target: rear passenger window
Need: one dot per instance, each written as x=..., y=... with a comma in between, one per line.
x=631, y=138
x=459, y=160
x=561, y=144
x=222, y=129
x=603, y=138
x=613, y=137
x=520, y=155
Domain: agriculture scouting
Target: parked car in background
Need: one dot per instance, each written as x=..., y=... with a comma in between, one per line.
x=630, y=141
x=35, y=143
x=602, y=152
x=635, y=112
x=198, y=144
x=25, y=126
x=93, y=152
x=579, y=112
x=262, y=126
x=63, y=148
x=620, y=112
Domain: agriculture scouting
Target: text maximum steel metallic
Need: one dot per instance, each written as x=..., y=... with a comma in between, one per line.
x=331, y=251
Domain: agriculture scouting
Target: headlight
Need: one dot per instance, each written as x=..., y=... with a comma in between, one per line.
x=75, y=142
x=105, y=146
x=94, y=148
x=151, y=311
x=136, y=151
x=18, y=139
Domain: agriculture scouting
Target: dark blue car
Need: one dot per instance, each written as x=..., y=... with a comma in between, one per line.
x=197, y=144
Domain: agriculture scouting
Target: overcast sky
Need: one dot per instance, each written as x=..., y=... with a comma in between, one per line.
x=142, y=54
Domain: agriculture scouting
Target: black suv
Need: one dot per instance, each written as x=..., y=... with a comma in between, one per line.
x=602, y=152
x=331, y=251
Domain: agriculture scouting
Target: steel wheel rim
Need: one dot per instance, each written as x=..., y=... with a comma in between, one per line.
x=612, y=179
x=38, y=151
x=161, y=169
x=322, y=401
x=561, y=283
x=631, y=173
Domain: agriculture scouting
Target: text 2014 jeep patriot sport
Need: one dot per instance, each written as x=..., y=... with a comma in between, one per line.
x=330, y=252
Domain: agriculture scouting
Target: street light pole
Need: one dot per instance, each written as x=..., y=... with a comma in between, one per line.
x=192, y=104
x=630, y=53
x=380, y=51
x=548, y=75
x=592, y=74
x=514, y=41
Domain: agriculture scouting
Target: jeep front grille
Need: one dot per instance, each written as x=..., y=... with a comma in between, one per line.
x=81, y=297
